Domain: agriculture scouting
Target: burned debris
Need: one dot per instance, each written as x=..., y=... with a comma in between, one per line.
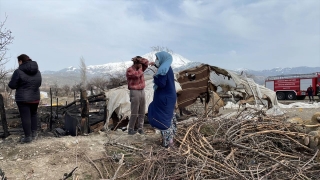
x=81, y=116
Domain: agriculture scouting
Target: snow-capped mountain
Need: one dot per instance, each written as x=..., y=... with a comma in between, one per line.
x=279, y=71
x=179, y=63
x=120, y=67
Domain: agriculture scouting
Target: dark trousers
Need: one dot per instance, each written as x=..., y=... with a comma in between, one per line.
x=29, y=117
x=311, y=98
x=138, y=106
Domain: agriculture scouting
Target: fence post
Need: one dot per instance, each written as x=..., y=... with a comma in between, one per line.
x=57, y=108
x=3, y=117
x=50, y=109
x=84, y=112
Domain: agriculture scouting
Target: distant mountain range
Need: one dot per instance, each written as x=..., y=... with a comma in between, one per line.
x=259, y=76
x=280, y=71
x=118, y=67
x=71, y=75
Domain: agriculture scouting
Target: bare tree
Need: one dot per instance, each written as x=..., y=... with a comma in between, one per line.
x=6, y=91
x=99, y=82
x=76, y=87
x=83, y=72
x=161, y=48
x=116, y=80
x=66, y=89
x=6, y=39
x=55, y=88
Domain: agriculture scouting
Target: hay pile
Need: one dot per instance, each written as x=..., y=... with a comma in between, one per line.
x=247, y=145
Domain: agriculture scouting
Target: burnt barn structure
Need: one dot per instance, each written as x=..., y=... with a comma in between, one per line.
x=82, y=116
x=196, y=84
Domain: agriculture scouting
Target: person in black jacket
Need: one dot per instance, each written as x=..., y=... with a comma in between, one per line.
x=27, y=80
x=318, y=91
x=310, y=93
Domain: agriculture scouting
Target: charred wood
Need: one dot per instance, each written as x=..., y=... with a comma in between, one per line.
x=3, y=118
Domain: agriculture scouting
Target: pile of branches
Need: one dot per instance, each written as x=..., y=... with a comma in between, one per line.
x=258, y=147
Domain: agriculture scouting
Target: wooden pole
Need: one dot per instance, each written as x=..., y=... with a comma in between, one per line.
x=207, y=99
x=57, y=108
x=51, y=110
x=213, y=104
x=105, y=114
x=3, y=117
x=84, y=112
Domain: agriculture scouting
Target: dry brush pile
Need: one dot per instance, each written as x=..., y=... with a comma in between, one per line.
x=249, y=145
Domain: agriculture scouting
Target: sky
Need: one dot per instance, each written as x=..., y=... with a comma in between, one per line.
x=231, y=34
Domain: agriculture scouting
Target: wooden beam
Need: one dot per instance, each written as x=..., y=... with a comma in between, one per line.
x=3, y=118
x=84, y=126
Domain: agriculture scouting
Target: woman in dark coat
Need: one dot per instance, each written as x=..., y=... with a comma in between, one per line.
x=161, y=109
x=26, y=80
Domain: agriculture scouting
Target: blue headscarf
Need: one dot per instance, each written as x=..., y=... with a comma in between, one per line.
x=165, y=61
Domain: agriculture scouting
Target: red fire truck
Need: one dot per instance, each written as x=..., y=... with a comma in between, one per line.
x=292, y=86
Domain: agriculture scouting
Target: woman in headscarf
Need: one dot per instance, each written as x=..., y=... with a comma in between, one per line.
x=161, y=109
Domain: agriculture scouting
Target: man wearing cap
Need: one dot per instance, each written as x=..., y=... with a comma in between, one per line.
x=136, y=85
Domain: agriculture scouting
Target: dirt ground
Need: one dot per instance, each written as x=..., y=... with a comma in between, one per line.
x=50, y=157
